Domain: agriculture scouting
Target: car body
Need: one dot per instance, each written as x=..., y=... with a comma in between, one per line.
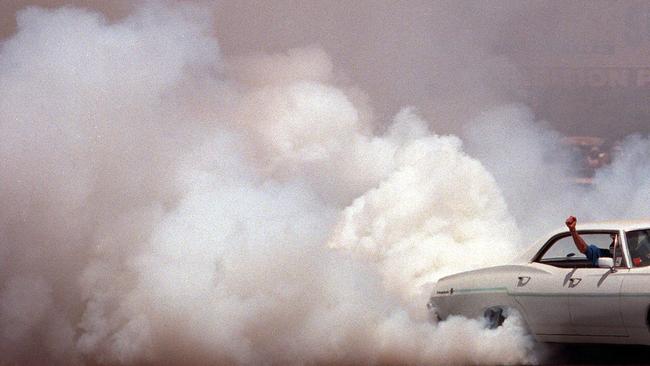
x=560, y=294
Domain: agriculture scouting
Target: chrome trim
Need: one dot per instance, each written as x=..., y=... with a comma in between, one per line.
x=626, y=253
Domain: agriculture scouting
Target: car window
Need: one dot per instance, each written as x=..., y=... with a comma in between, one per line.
x=638, y=243
x=563, y=249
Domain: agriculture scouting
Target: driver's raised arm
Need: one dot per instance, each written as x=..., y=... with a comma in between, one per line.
x=579, y=242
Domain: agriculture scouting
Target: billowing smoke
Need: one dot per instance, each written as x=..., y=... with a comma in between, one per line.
x=536, y=172
x=162, y=203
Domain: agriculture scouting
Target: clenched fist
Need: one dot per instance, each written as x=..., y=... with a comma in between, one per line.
x=571, y=223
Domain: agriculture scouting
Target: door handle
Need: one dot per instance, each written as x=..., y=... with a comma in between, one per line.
x=523, y=280
x=575, y=281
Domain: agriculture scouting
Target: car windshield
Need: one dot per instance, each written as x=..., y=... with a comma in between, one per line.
x=638, y=243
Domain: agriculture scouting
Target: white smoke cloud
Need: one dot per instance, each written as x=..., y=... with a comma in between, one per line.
x=163, y=205
x=433, y=214
x=530, y=164
x=535, y=170
x=622, y=189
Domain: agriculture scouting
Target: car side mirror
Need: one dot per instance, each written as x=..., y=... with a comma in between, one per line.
x=605, y=262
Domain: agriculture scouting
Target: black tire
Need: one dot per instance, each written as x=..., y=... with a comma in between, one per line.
x=494, y=317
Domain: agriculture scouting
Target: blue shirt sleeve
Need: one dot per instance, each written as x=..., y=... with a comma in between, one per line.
x=593, y=253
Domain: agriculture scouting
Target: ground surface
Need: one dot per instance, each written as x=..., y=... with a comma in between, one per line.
x=589, y=354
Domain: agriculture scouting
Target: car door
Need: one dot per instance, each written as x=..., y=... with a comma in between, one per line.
x=635, y=291
x=542, y=289
x=594, y=296
x=635, y=304
x=595, y=302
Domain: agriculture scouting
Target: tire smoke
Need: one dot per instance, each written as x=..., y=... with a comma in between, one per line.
x=163, y=204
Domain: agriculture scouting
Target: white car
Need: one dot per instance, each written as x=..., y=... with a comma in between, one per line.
x=562, y=296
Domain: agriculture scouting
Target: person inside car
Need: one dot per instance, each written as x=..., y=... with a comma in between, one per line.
x=591, y=251
x=637, y=242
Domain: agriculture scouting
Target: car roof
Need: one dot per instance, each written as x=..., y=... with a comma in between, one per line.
x=625, y=225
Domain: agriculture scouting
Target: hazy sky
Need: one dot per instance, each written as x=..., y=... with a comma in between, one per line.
x=582, y=65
